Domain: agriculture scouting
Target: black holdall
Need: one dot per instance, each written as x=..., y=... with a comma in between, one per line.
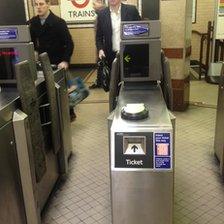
x=104, y=74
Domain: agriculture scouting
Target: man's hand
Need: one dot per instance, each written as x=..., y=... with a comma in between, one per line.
x=101, y=54
x=63, y=64
x=72, y=88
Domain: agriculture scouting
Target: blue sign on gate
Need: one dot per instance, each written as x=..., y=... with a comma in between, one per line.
x=162, y=152
x=8, y=33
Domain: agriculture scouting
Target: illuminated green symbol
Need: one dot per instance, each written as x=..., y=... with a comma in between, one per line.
x=127, y=58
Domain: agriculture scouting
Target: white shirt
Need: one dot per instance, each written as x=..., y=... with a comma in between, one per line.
x=116, y=27
x=43, y=18
x=42, y=21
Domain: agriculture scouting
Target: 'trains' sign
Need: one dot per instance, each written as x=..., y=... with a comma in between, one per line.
x=78, y=11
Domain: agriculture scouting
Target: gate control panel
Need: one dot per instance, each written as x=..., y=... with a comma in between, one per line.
x=143, y=150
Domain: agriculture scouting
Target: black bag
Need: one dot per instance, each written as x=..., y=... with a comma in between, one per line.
x=104, y=74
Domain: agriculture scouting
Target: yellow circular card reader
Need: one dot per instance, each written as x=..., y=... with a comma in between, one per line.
x=134, y=111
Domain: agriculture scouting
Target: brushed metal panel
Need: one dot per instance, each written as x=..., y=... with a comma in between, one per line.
x=12, y=208
x=142, y=197
x=219, y=131
x=27, y=172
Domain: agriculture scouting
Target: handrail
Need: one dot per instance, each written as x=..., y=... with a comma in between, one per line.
x=219, y=48
x=199, y=33
x=203, y=38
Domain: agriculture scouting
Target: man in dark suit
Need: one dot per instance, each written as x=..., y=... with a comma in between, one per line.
x=108, y=29
x=50, y=34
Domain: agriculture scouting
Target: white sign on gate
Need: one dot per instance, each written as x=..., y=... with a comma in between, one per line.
x=78, y=11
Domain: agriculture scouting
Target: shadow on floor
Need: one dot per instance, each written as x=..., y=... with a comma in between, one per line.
x=81, y=72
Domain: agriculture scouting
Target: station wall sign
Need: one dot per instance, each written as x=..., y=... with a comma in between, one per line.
x=219, y=20
x=77, y=11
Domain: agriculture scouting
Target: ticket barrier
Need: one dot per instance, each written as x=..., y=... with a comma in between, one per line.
x=35, y=130
x=219, y=133
x=141, y=132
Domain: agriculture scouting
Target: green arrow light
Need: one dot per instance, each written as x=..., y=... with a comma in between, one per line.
x=127, y=58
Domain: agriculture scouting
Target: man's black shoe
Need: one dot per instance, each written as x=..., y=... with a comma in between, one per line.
x=72, y=114
x=94, y=86
x=72, y=117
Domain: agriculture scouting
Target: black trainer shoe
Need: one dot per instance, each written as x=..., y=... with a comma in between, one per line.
x=72, y=117
x=94, y=86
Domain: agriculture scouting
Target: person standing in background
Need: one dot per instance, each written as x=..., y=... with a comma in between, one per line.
x=50, y=34
x=108, y=29
x=97, y=6
x=109, y=25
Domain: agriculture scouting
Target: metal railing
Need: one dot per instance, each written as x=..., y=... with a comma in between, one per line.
x=206, y=44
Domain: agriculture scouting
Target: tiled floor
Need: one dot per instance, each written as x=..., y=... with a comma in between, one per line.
x=85, y=197
x=199, y=190
x=203, y=93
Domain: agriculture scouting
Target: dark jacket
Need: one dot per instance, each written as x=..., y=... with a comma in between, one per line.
x=104, y=26
x=53, y=37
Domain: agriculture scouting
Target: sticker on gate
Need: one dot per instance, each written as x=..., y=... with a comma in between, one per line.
x=162, y=151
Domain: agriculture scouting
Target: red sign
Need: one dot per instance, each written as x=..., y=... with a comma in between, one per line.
x=80, y=5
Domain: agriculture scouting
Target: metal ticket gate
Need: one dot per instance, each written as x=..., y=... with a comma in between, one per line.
x=141, y=134
x=219, y=133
